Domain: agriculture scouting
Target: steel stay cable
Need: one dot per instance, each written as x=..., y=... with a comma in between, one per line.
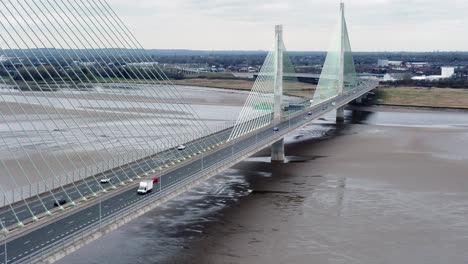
x=83, y=37
x=132, y=38
x=148, y=75
x=105, y=123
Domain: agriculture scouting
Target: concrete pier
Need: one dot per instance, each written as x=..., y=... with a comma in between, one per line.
x=277, y=151
x=340, y=115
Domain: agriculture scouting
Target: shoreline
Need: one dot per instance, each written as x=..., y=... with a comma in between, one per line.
x=402, y=106
x=421, y=108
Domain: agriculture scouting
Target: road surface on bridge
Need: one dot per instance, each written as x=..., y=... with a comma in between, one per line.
x=21, y=248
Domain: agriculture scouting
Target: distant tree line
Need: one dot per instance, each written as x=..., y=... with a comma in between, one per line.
x=457, y=82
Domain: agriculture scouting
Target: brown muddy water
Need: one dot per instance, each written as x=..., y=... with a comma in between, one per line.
x=389, y=186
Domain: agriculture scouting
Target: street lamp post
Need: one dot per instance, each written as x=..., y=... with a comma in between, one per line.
x=100, y=201
x=5, y=241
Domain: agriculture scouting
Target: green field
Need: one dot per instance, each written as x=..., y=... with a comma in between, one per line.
x=417, y=96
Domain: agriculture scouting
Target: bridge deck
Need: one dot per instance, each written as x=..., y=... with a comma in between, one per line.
x=48, y=234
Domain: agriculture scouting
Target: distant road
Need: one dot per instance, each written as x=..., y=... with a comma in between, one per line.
x=251, y=75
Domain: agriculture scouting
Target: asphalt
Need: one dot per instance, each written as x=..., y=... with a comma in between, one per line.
x=21, y=248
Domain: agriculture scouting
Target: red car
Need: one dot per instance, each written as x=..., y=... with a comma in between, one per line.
x=155, y=179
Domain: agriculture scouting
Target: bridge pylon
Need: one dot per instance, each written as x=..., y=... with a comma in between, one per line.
x=277, y=149
x=338, y=73
x=343, y=38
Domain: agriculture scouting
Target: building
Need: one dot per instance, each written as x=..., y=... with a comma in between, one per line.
x=382, y=63
x=144, y=64
x=389, y=63
x=392, y=77
x=446, y=72
x=417, y=64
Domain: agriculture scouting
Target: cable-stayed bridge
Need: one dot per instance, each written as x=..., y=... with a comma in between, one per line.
x=82, y=102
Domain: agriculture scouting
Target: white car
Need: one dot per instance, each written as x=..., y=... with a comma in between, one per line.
x=105, y=180
x=181, y=147
x=334, y=103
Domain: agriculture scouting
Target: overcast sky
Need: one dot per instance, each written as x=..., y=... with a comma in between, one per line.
x=374, y=25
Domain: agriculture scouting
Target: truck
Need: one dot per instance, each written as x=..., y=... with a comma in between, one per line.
x=145, y=187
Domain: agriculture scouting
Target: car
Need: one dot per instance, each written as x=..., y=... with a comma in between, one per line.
x=105, y=180
x=275, y=129
x=334, y=103
x=181, y=147
x=309, y=113
x=60, y=202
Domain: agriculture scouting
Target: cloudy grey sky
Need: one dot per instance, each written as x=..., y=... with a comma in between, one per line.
x=374, y=25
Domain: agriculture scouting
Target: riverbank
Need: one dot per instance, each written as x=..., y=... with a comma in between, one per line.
x=387, y=95
x=300, y=88
x=425, y=97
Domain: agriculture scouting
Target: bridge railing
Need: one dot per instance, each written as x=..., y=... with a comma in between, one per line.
x=33, y=190
x=27, y=191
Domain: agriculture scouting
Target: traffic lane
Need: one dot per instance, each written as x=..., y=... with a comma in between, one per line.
x=86, y=216
x=70, y=225
x=76, y=191
x=216, y=157
x=68, y=228
x=190, y=169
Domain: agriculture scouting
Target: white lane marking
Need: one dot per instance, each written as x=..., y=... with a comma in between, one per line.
x=71, y=222
x=27, y=242
x=50, y=231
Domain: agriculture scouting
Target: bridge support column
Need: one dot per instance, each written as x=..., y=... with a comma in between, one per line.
x=277, y=151
x=340, y=115
x=359, y=99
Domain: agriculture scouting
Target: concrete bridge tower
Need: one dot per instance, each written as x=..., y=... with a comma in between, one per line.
x=277, y=149
x=340, y=111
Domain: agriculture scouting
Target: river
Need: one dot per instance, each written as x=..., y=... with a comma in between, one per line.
x=389, y=186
